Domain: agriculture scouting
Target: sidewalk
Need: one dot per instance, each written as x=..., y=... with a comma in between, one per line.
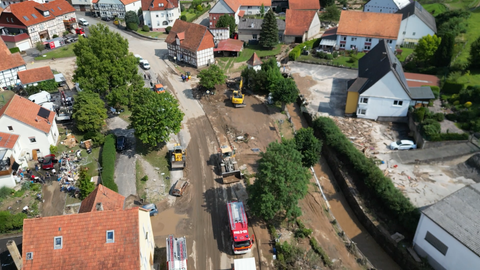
x=435, y=154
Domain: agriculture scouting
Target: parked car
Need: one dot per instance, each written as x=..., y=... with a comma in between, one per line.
x=83, y=22
x=107, y=18
x=139, y=57
x=48, y=162
x=179, y=187
x=403, y=145
x=144, y=64
x=152, y=208
x=121, y=143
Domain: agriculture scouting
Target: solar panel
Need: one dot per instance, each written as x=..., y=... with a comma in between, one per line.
x=25, y=17
x=43, y=113
x=34, y=16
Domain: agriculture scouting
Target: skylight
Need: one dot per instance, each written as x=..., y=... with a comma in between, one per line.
x=25, y=17
x=34, y=16
x=52, y=10
x=59, y=8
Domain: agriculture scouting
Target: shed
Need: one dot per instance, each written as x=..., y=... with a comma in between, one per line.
x=229, y=47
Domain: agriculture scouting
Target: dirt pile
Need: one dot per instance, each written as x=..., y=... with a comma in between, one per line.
x=470, y=168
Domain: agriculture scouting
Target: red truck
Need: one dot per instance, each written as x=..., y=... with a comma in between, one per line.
x=242, y=242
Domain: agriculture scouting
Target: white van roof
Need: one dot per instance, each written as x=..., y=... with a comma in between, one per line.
x=137, y=56
x=40, y=97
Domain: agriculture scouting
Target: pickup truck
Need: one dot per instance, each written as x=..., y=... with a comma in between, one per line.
x=180, y=187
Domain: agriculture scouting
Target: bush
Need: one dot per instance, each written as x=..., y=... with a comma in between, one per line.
x=53, y=149
x=435, y=91
x=145, y=178
x=66, y=32
x=9, y=222
x=294, y=54
x=451, y=117
x=132, y=26
x=439, y=117
x=14, y=50
x=319, y=250
x=329, y=57
x=419, y=114
x=199, y=8
x=183, y=18
x=5, y=192
x=145, y=28
x=54, y=36
x=335, y=54
x=108, y=162
x=167, y=30
x=449, y=137
x=321, y=55
x=450, y=88
x=430, y=128
x=97, y=138
x=316, y=42
x=467, y=104
x=302, y=232
x=378, y=188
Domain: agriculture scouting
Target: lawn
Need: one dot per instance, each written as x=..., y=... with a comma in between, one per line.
x=5, y=96
x=261, y=52
x=152, y=34
x=126, y=114
x=435, y=9
x=473, y=33
x=62, y=52
x=190, y=16
x=405, y=53
x=472, y=78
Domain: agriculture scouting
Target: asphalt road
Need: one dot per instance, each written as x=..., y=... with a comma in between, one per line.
x=206, y=227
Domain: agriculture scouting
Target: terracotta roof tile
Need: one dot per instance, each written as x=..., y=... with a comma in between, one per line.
x=127, y=2
x=229, y=45
x=254, y=60
x=233, y=4
x=9, y=60
x=369, y=24
x=84, y=241
x=297, y=22
x=110, y=200
x=8, y=140
x=255, y=3
x=59, y=7
x=25, y=111
x=304, y=4
x=417, y=79
x=154, y=5
x=241, y=13
x=27, y=8
x=35, y=75
x=197, y=37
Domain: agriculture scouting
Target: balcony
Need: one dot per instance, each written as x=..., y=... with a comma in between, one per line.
x=343, y=41
x=6, y=162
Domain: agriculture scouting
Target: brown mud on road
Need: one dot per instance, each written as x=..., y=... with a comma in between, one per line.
x=54, y=200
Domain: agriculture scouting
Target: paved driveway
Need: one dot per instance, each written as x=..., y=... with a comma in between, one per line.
x=325, y=87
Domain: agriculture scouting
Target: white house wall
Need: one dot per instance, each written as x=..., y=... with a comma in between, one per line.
x=314, y=28
x=79, y=3
x=413, y=28
x=252, y=10
x=133, y=7
x=9, y=77
x=205, y=57
x=146, y=239
x=7, y=181
x=381, y=97
x=457, y=256
x=360, y=43
x=155, y=19
x=381, y=6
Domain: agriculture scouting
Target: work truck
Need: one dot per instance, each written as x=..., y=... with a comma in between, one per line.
x=242, y=242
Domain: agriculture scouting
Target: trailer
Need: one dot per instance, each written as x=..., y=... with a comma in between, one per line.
x=180, y=187
x=244, y=264
x=242, y=242
x=176, y=253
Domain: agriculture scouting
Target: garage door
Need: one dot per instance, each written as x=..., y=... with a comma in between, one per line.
x=24, y=45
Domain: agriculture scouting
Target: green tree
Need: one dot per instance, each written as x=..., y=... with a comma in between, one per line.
x=155, y=117
x=40, y=46
x=280, y=182
x=89, y=111
x=105, y=66
x=86, y=186
x=327, y=3
x=139, y=12
x=332, y=13
x=426, y=47
x=212, y=76
x=308, y=145
x=227, y=21
x=269, y=32
x=131, y=17
x=475, y=54
x=444, y=53
x=262, y=10
x=285, y=92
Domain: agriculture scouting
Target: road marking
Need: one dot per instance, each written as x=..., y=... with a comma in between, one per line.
x=193, y=255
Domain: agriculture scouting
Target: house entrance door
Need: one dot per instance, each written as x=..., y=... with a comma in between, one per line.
x=34, y=154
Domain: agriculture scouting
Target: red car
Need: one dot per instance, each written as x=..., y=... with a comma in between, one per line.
x=48, y=162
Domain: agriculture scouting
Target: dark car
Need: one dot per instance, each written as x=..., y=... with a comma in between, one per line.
x=152, y=208
x=107, y=19
x=48, y=162
x=121, y=143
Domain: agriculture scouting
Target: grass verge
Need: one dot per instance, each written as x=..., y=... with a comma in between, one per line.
x=261, y=52
x=473, y=33
x=152, y=33
x=62, y=52
x=139, y=174
x=157, y=157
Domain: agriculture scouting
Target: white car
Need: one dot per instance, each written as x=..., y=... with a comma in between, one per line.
x=144, y=64
x=139, y=58
x=82, y=22
x=403, y=145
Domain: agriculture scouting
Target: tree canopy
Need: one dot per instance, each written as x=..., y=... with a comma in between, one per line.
x=132, y=17
x=444, y=53
x=155, y=116
x=286, y=91
x=327, y=3
x=227, y=21
x=475, y=54
x=262, y=10
x=105, y=66
x=308, y=145
x=211, y=76
x=426, y=47
x=332, y=13
x=280, y=182
x=85, y=185
x=89, y=111
x=269, y=32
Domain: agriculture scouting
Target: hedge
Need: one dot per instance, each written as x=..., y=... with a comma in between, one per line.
x=435, y=90
x=295, y=53
x=378, y=188
x=9, y=222
x=14, y=50
x=108, y=162
x=450, y=88
x=449, y=137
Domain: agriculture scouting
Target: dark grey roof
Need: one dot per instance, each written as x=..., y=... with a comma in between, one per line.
x=221, y=7
x=459, y=215
x=422, y=92
x=257, y=24
x=357, y=84
x=417, y=9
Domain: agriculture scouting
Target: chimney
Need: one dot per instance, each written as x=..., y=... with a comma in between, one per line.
x=99, y=206
x=394, y=65
x=17, y=258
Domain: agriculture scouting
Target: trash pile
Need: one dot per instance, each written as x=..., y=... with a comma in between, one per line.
x=69, y=162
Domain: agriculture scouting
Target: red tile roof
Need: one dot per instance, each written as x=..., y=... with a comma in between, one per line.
x=297, y=22
x=83, y=241
x=8, y=140
x=369, y=24
x=241, y=13
x=233, y=4
x=417, y=80
x=255, y=3
x=229, y=45
x=153, y=5
x=254, y=60
x=25, y=111
x=304, y=4
x=9, y=60
x=128, y=2
x=197, y=37
x=35, y=75
x=110, y=200
x=27, y=8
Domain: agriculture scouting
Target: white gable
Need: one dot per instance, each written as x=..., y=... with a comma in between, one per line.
x=387, y=87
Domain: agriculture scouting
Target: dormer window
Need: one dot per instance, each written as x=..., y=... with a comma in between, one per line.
x=58, y=242
x=110, y=236
x=160, y=4
x=178, y=41
x=29, y=256
x=46, y=13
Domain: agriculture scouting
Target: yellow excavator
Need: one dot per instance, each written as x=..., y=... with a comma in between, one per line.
x=238, y=99
x=178, y=157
